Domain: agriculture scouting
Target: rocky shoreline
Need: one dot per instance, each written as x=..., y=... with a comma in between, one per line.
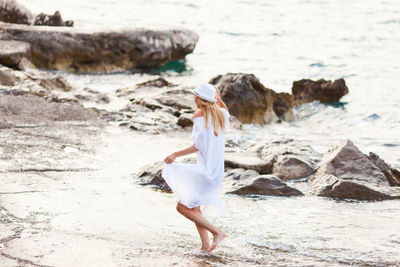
x=55, y=153
x=158, y=106
x=267, y=169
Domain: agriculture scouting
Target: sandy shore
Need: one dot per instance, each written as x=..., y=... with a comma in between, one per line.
x=68, y=199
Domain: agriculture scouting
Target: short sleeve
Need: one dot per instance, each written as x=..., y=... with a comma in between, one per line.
x=198, y=135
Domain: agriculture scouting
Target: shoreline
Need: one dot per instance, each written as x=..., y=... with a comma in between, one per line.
x=56, y=218
x=81, y=151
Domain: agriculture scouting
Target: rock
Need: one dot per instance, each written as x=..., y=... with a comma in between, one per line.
x=246, y=98
x=159, y=82
x=151, y=175
x=250, y=101
x=287, y=158
x=282, y=105
x=232, y=145
x=6, y=125
x=177, y=98
x=7, y=78
x=242, y=182
x=347, y=162
x=307, y=90
x=30, y=109
x=162, y=108
x=149, y=103
x=33, y=82
x=68, y=49
x=89, y=95
x=12, y=12
x=15, y=54
x=345, y=172
x=292, y=167
x=247, y=161
x=392, y=175
x=51, y=20
x=144, y=119
x=185, y=121
x=101, y=98
x=331, y=186
x=236, y=181
x=239, y=173
x=173, y=100
x=56, y=82
x=148, y=88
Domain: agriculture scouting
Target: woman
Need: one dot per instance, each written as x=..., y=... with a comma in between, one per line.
x=198, y=186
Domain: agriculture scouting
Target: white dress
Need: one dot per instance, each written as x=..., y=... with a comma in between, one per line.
x=200, y=184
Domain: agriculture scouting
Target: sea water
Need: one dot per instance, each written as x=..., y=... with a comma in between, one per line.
x=281, y=42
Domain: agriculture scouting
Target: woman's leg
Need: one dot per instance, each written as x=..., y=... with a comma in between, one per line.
x=199, y=219
x=205, y=241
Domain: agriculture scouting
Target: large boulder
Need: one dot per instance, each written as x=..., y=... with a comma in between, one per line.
x=331, y=186
x=345, y=172
x=249, y=182
x=287, y=158
x=246, y=98
x=289, y=167
x=307, y=90
x=12, y=12
x=67, y=49
x=249, y=100
x=346, y=161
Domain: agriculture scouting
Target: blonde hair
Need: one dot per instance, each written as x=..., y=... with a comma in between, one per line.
x=211, y=109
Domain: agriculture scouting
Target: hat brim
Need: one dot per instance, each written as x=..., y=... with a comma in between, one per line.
x=205, y=98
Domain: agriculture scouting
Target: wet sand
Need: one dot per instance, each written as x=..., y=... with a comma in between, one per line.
x=79, y=206
x=68, y=198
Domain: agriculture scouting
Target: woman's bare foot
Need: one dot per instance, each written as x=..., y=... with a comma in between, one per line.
x=217, y=239
x=205, y=249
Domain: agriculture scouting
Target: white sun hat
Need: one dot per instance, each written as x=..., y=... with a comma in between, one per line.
x=206, y=91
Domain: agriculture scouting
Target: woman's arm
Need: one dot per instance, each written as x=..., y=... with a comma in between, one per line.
x=189, y=150
x=219, y=100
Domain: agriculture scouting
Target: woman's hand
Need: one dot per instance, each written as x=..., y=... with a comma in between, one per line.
x=219, y=99
x=169, y=159
x=189, y=150
x=217, y=94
